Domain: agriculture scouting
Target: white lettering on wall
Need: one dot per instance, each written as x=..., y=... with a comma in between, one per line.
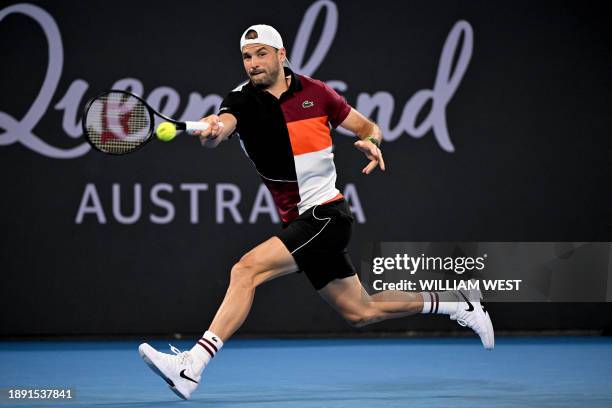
x=352, y=198
x=228, y=202
x=13, y=130
x=90, y=204
x=162, y=203
x=137, y=204
x=194, y=199
x=264, y=204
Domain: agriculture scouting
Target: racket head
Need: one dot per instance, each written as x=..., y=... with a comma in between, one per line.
x=117, y=122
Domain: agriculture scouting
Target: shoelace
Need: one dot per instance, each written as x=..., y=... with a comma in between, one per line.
x=183, y=356
x=462, y=322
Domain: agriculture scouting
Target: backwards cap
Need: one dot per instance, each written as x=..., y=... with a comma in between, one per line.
x=264, y=34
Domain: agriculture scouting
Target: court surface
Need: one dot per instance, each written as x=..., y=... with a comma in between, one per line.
x=521, y=372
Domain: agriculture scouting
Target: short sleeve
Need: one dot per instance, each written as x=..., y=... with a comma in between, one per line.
x=233, y=103
x=337, y=107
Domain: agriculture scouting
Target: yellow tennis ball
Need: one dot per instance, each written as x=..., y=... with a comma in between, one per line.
x=165, y=131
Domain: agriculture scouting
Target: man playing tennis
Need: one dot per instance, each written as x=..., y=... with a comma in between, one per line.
x=283, y=121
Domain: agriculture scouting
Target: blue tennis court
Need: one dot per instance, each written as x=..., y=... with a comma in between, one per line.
x=432, y=372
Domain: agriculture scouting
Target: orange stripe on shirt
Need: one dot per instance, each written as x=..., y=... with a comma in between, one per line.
x=309, y=135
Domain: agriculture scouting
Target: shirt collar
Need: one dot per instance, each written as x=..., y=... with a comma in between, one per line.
x=295, y=85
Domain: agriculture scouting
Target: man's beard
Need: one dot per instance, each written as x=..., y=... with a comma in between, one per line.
x=267, y=79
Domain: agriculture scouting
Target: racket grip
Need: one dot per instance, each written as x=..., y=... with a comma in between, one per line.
x=190, y=127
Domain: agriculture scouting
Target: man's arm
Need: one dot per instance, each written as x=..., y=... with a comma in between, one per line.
x=221, y=127
x=361, y=126
x=364, y=129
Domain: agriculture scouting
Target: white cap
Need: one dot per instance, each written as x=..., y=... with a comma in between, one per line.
x=265, y=35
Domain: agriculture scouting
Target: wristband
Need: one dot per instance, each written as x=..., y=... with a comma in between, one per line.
x=373, y=140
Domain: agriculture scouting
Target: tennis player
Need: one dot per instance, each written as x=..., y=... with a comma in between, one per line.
x=283, y=121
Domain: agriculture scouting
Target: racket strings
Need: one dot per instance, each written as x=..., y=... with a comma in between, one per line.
x=118, y=123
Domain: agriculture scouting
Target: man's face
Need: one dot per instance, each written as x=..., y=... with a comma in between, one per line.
x=262, y=64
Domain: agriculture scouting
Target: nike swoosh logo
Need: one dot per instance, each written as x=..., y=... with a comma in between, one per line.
x=470, y=305
x=215, y=339
x=182, y=374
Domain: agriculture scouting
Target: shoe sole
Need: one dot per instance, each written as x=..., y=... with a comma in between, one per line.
x=157, y=371
x=488, y=322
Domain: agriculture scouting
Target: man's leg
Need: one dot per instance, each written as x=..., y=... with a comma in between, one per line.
x=182, y=371
x=351, y=300
x=265, y=262
x=348, y=297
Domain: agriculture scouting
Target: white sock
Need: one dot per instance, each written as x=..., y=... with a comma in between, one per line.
x=205, y=349
x=439, y=302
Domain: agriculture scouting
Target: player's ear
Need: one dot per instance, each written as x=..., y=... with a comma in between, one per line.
x=282, y=55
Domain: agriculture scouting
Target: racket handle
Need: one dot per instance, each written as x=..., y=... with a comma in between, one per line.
x=190, y=127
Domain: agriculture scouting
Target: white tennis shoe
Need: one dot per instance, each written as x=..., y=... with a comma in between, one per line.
x=177, y=370
x=471, y=313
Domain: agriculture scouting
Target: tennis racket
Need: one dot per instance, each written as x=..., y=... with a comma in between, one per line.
x=119, y=122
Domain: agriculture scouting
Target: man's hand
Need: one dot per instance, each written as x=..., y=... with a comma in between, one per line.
x=220, y=128
x=373, y=153
x=363, y=128
x=214, y=129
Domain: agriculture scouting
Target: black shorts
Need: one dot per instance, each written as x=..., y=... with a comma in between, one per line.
x=318, y=238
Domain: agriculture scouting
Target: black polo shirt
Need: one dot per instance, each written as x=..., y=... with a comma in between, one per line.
x=289, y=141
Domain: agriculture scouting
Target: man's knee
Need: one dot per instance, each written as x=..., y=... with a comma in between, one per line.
x=244, y=272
